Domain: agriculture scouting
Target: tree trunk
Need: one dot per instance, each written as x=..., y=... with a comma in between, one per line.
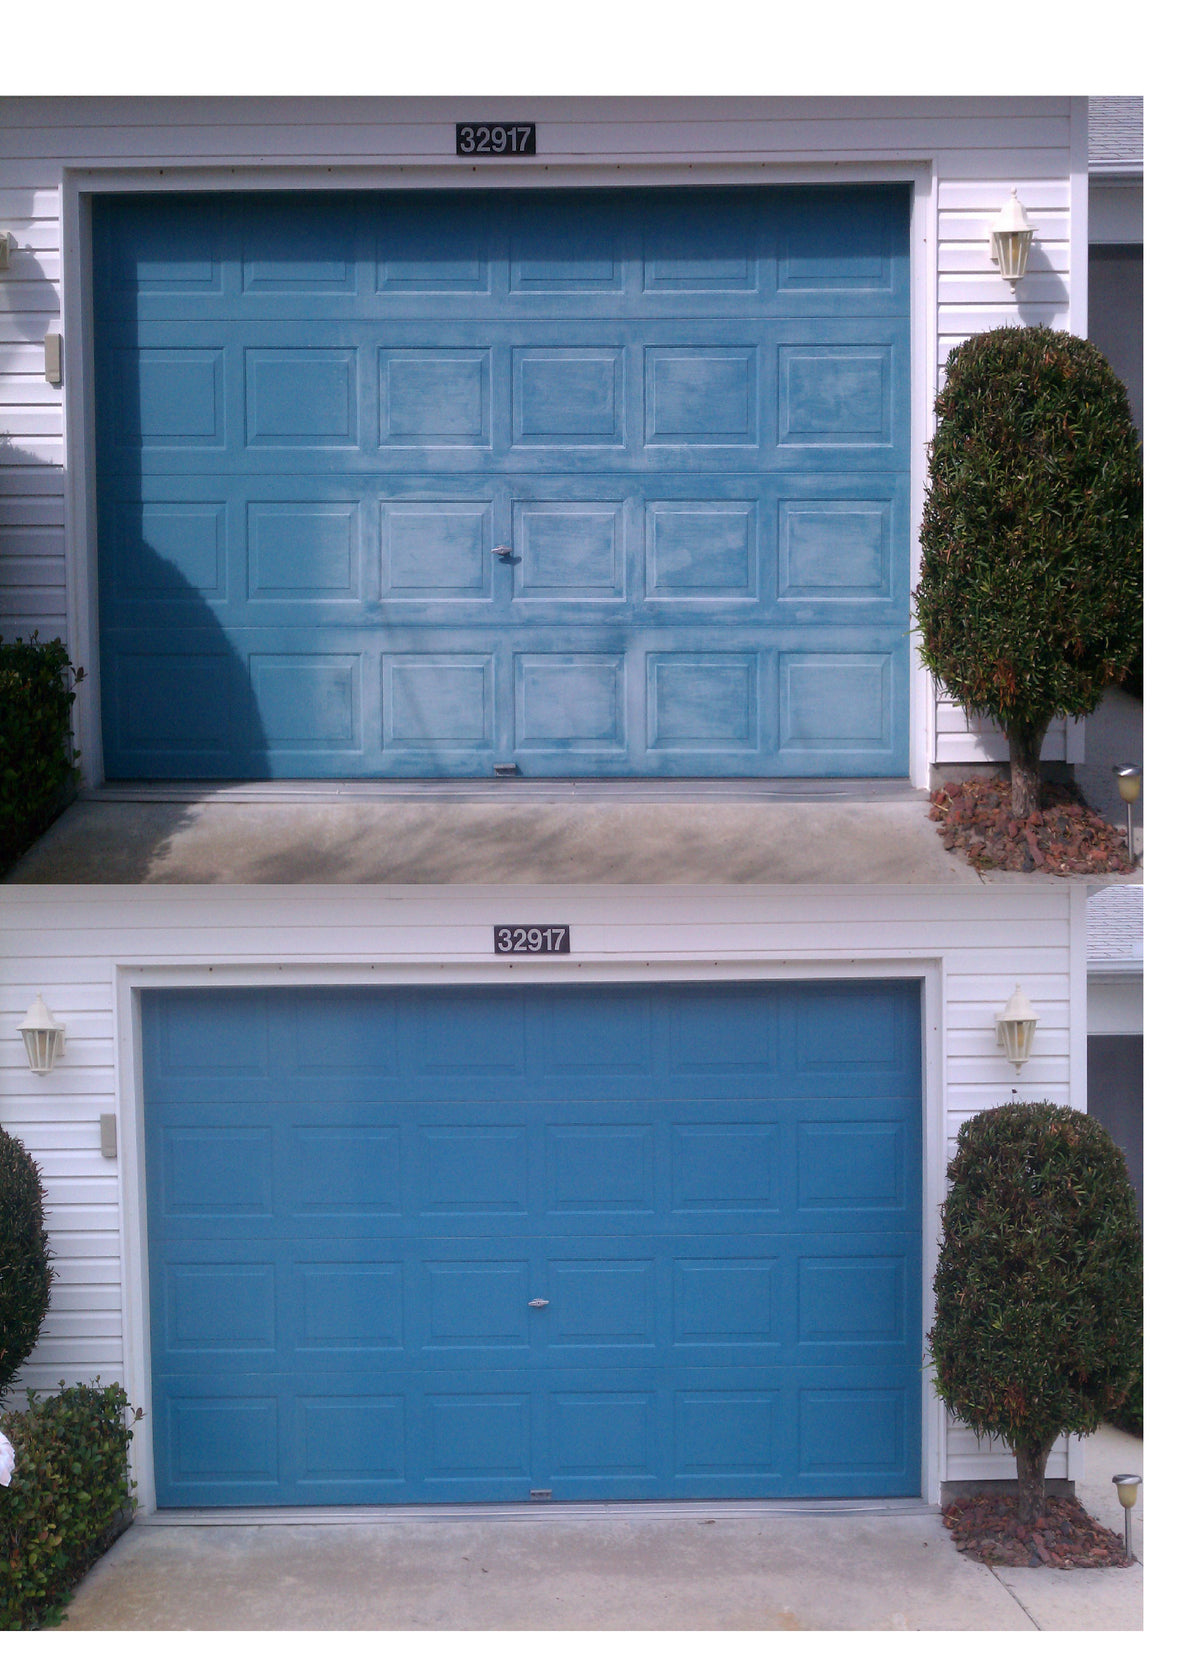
x=1031, y=1479
x=1025, y=756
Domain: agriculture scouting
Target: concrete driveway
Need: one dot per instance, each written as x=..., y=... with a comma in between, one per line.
x=601, y=1568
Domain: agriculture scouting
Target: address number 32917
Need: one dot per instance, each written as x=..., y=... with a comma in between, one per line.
x=532, y=939
x=477, y=138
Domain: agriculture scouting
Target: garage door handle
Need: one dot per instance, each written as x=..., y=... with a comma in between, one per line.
x=503, y=553
x=539, y=1301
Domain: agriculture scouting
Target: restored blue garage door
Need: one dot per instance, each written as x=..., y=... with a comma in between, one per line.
x=477, y=1244
x=589, y=483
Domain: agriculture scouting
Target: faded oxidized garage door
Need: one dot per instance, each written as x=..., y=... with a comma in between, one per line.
x=589, y=483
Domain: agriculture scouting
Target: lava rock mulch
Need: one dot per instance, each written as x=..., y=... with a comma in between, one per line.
x=985, y=1528
x=975, y=820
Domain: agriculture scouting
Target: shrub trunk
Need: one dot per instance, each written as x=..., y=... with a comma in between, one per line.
x=1025, y=767
x=1031, y=1458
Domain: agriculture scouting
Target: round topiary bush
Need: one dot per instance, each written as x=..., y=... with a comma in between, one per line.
x=25, y=1272
x=1030, y=597
x=1038, y=1289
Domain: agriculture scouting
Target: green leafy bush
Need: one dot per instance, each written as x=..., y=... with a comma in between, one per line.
x=1030, y=598
x=1038, y=1316
x=25, y=1273
x=69, y=1498
x=37, y=765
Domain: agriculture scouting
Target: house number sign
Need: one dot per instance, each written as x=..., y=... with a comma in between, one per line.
x=532, y=939
x=481, y=138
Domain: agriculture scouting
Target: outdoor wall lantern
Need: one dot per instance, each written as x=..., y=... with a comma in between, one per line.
x=1015, y=1027
x=43, y=1037
x=1011, y=238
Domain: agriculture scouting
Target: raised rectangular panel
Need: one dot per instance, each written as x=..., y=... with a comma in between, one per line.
x=700, y=550
x=850, y=1298
x=455, y=1035
x=576, y=251
x=726, y=1432
x=851, y=1429
x=216, y=1172
x=601, y=1303
x=568, y=396
x=350, y=1305
x=478, y=1303
x=172, y=551
x=600, y=1434
x=566, y=700
x=307, y=701
x=841, y=700
x=345, y=1437
x=474, y=1170
x=725, y=1167
x=701, y=396
x=302, y=552
x=727, y=1030
x=429, y=246
x=600, y=1166
x=834, y=395
x=437, y=551
x=700, y=245
x=850, y=1165
x=231, y=1439
x=835, y=549
x=591, y=1028
x=213, y=1306
x=572, y=551
x=175, y=700
x=725, y=1301
x=170, y=396
x=854, y=1027
x=478, y=1437
x=832, y=240
x=141, y=249
x=304, y=396
x=214, y=1032
x=699, y=701
x=284, y=253
x=343, y=1032
x=346, y=1169
x=433, y=702
x=435, y=396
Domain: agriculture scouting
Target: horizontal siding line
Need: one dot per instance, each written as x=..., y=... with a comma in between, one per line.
x=36, y=510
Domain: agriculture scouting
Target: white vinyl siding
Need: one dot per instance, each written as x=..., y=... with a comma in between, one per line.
x=80, y=945
x=975, y=151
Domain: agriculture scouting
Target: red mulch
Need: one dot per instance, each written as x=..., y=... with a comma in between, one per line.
x=1064, y=837
x=986, y=1529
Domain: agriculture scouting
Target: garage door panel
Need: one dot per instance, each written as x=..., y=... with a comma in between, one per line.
x=623, y=389
x=540, y=1267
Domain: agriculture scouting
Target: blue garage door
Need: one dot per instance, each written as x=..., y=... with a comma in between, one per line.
x=476, y=1244
x=585, y=483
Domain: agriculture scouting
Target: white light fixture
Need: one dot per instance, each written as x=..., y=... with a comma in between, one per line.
x=1011, y=236
x=43, y=1037
x=1129, y=785
x=1127, y=1486
x=1015, y=1027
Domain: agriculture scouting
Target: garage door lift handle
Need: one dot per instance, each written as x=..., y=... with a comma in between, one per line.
x=502, y=552
x=539, y=1301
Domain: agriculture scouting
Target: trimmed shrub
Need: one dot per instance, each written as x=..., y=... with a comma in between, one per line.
x=69, y=1498
x=1030, y=598
x=1038, y=1289
x=37, y=765
x=25, y=1272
